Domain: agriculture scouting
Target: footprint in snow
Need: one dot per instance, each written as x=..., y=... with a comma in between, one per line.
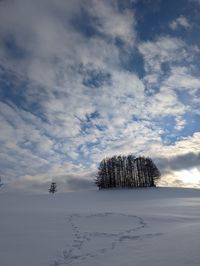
x=96, y=234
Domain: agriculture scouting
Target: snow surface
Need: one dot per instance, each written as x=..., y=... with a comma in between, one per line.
x=130, y=227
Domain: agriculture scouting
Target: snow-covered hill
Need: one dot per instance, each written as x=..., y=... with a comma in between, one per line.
x=131, y=227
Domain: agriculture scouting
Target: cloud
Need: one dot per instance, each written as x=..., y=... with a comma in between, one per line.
x=64, y=183
x=180, y=162
x=59, y=59
x=182, y=79
x=178, y=148
x=162, y=52
x=196, y=1
x=180, y=22
x=178, y=166
x=77, y=184
x=67, y=100
x=112, y=23
x=168, y=75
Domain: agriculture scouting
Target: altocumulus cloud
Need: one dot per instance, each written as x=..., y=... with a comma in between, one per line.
x=78, y=82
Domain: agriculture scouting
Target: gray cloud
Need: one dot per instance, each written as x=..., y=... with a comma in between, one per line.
x=180, y=22
x=77, y=183
x=185, y=161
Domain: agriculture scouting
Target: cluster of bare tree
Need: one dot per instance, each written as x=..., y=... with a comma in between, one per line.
x=127, y=171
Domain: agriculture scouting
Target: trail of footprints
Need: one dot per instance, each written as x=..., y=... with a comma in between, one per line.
x=91, y=243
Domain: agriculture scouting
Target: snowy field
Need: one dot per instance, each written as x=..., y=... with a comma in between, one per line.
x=139, y=227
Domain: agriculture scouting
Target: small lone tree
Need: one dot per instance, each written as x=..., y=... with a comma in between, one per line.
x=1, y=184
x=52, y=188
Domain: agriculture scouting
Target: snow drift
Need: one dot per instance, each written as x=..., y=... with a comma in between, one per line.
x=151, y=226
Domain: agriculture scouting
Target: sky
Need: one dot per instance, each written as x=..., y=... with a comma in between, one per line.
x=81, y=80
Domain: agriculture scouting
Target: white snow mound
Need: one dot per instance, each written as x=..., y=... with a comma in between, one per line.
x=140, y=227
